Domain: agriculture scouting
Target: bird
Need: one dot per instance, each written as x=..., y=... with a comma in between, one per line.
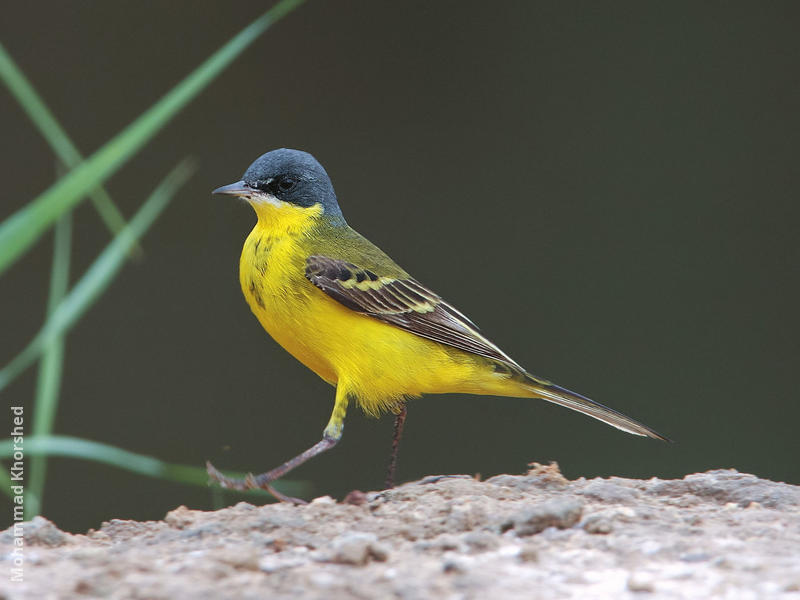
x=347, y=311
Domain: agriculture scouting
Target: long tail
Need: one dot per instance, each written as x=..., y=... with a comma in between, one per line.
x=564, y=397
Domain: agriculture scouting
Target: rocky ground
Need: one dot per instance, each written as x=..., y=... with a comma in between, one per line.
x=720, y=534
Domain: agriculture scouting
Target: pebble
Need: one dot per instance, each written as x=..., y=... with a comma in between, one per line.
x=179, y=518
x=640, y=583
x=41, y=532
x=559, y=512
x=357, y=549
x=241, y=557
x=598, y=524
x=728, y=485
x=323, y=500
x=609, y=491
x=529, y=553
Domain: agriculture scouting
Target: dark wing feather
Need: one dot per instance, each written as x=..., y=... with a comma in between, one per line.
x=404, y=303
x=407, y=304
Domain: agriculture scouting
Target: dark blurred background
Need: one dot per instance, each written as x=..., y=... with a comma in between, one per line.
x=611, y=192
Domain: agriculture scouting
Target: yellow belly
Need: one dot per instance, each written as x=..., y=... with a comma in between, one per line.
x=378, y=364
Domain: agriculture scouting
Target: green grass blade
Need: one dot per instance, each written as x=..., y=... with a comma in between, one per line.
x=62, y=445
x=20, y=230
x=6, y=483
x=48, y=382
x=49, y=379
x=99, y=275
x=54, y=134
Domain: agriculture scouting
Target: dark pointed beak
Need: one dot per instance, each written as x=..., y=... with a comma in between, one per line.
x=240, y=188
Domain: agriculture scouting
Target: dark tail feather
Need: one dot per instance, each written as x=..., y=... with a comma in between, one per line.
x=564, y=397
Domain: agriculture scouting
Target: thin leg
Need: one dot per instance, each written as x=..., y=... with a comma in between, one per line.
x=330, y=437
x=399, y=421
x=263, y=481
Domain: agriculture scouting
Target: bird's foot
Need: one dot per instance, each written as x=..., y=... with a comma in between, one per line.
x=250, y=482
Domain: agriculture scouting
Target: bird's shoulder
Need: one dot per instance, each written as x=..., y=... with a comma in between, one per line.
x=361, y=277
x=346, y=245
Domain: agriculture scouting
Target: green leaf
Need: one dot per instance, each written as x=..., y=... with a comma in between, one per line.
x=99, y=275
x=48, y=382
x=63, y=445
x=20, y=230
x=6, y=483
x=54, y=134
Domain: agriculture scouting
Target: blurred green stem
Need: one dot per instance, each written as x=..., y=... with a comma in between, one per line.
x=99, y=275
x=63, y=445
x=48, y=382
x=54, y=134
x=5, y=482
x=20, y=230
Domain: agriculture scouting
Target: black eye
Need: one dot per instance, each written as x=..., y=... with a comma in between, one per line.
x=286, y=183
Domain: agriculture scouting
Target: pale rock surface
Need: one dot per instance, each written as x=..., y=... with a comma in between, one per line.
x=719, y=534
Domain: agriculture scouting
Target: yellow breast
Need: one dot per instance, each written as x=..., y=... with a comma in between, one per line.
x=378, y=364
x=271, y=273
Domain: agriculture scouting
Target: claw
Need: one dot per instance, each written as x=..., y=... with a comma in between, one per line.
x=248, y=483
x=263, y=481
x=224, y=481
x=283, y=497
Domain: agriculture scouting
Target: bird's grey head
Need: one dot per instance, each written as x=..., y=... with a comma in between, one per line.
x=286, y=175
